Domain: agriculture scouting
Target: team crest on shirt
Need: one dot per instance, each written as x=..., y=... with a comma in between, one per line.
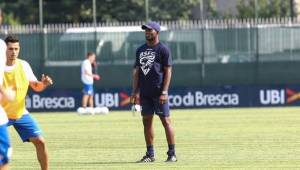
x=146, y=60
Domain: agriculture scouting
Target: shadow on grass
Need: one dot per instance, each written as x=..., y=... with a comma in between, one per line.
x=106, y=163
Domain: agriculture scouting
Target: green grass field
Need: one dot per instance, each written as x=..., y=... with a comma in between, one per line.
x=256, y=138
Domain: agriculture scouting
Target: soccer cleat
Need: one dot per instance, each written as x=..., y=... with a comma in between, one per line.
x=146, y=158
x=171, y=158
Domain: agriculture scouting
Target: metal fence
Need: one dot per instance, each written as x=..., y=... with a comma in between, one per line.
x=194, y=41
x=205, y=44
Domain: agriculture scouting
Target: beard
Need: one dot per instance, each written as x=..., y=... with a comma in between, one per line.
x=150, y=37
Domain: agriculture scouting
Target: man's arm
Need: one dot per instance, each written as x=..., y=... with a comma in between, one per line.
x=88, y=73
x=135, y=85
x=94, y=76
x=39, y=86
x=166, y=83
x=167, y=78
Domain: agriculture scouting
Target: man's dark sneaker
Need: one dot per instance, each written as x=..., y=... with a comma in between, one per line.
x=171, y=158
x=147, y=158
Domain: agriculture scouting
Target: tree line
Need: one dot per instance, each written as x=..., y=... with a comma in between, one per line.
x=76, y=11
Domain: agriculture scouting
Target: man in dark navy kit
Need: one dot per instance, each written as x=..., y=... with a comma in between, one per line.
x=151, y=79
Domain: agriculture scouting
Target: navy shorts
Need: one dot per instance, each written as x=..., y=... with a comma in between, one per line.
x=26, y=126
x=151, y=105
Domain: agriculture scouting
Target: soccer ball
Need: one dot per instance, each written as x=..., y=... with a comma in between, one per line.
x=105, y=110
x=81, y=110
x=89, y=110
x=101, y=110
x=85, y=111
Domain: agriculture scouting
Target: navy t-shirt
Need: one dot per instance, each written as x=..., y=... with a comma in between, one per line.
x=151, y=62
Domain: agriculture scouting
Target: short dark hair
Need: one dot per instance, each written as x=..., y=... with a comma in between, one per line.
x=11, y=39
x=89, y=54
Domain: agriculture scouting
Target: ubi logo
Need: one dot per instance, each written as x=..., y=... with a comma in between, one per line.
x=272, y=96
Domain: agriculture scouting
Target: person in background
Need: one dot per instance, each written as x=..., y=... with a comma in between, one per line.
x=87, y=78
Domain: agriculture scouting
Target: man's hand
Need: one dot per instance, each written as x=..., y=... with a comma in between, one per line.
x=134, y=98
x=163, y=98
x=39, y=86
x=46, y=80
x=96, y=77
x=8, y=93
